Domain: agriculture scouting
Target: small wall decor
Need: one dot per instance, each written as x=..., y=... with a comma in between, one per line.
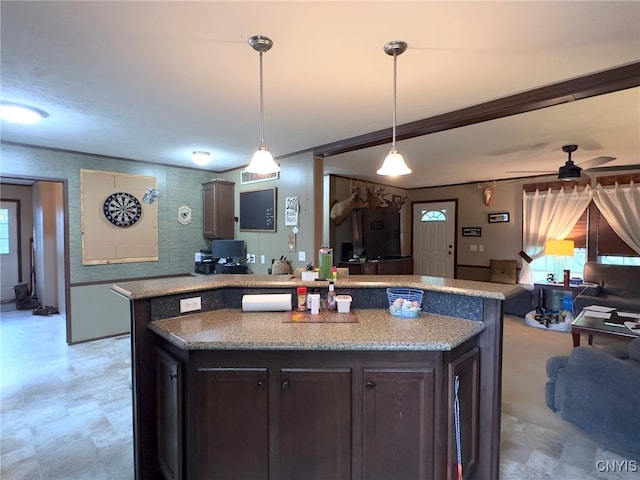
x=498, y=217
x=184, y=215
x=471, y=232
x=291, y=212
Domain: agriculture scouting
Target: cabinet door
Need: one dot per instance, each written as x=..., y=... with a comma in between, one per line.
x=231, y=436
x=169, y=415
x=398, y=424
x=315, y=424
x=466, y=368
x=217, y=209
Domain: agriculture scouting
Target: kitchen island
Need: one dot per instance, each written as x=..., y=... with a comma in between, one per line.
x=223, y=393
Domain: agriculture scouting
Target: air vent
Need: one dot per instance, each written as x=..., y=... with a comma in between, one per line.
x=247, y=177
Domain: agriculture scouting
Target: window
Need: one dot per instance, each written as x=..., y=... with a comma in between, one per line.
x=4, y=231
x=606, y=247
x=433, y=216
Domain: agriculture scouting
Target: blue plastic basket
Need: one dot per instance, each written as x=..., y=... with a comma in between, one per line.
x=401, y=298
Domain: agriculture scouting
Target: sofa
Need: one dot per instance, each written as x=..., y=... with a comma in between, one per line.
x=598, y=393
x=618, y=286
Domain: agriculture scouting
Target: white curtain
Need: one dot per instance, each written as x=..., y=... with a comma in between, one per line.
x=620, y=206
x=548, y=216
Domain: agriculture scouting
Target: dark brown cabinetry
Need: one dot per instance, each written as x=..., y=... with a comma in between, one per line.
x=169, y=415
x=397, y=424
x=400, y=266
x=217, y=209
x=285, y=415
x=315, y=424
x=466, y=369
x=231, y=438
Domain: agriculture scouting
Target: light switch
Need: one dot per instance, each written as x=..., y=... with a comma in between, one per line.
x=481, y=248
x=473, y=248
x=302, y=257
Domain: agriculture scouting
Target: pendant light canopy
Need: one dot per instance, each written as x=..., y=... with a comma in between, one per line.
x=394, y=164
x=262, y=160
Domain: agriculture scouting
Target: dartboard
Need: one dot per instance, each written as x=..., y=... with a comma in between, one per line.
x=122, y=209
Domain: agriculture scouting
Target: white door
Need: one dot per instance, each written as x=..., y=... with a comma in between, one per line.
x=8, y=249
x=434, y=233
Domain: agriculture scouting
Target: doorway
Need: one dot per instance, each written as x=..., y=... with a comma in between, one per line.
x=43, y=236
x=434, y=248
x=9, y=248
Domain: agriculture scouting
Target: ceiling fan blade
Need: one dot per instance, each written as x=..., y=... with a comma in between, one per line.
x=516, y=148
x=596, y=162
x=545, y=172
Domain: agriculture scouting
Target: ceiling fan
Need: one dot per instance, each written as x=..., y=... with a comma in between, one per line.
x=570, y=171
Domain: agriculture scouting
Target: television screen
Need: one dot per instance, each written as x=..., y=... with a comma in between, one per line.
x=228, y=249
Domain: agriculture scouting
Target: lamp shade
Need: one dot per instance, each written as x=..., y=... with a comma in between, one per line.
x=262, y=162
x=393, y=165
x=563, y=248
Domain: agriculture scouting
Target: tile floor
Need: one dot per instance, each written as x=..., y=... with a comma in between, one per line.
x=66, y=414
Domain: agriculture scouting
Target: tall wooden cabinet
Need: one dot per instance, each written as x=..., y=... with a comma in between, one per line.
x=217, y=209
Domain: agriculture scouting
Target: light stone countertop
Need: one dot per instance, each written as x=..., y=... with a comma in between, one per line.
x=233, y=329
x=159, y=287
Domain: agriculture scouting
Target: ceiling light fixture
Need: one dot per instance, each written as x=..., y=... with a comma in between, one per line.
x=394, y=164
x=262, y=160
x=201, y=158
x=19, y=113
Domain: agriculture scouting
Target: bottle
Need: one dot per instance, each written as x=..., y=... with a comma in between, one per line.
x=334, y=273
x=325, y=261
x=302, y=298
x=567, y=274
x=331, y=297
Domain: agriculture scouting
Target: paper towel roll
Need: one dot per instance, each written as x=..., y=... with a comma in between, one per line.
x=271, y=302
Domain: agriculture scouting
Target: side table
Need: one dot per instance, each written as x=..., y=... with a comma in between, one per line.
x=541, y=290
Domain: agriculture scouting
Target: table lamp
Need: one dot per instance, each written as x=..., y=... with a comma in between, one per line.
x=559, y=248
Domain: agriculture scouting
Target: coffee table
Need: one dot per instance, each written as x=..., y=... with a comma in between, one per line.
x=591, y=325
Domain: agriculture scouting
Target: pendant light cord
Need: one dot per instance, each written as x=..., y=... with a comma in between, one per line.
x=393, y=136
x=261, y=104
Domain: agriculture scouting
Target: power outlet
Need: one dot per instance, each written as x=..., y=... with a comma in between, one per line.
x=252, y=258
x=190, y=304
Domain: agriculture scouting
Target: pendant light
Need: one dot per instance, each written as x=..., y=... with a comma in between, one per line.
x=393, y=164
x=262, y=160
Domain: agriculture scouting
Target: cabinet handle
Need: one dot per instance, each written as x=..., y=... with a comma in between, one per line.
x=173, y=376
x=260, y=384
x=370, y=385
x=285, y=385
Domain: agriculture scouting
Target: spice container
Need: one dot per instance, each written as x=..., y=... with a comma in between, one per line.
x=302, y=298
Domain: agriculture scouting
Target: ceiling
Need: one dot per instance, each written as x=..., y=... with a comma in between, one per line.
x=153, y=81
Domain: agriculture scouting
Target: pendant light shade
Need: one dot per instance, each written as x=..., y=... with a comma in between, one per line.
x=262, y=160
x=394, y=163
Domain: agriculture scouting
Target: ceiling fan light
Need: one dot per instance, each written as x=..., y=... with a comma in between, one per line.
x=262, y=161
x=394, y=165
x=569, y=172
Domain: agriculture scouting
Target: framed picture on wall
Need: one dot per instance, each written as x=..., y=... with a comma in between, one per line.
x=471, y=232
x=498, y=217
